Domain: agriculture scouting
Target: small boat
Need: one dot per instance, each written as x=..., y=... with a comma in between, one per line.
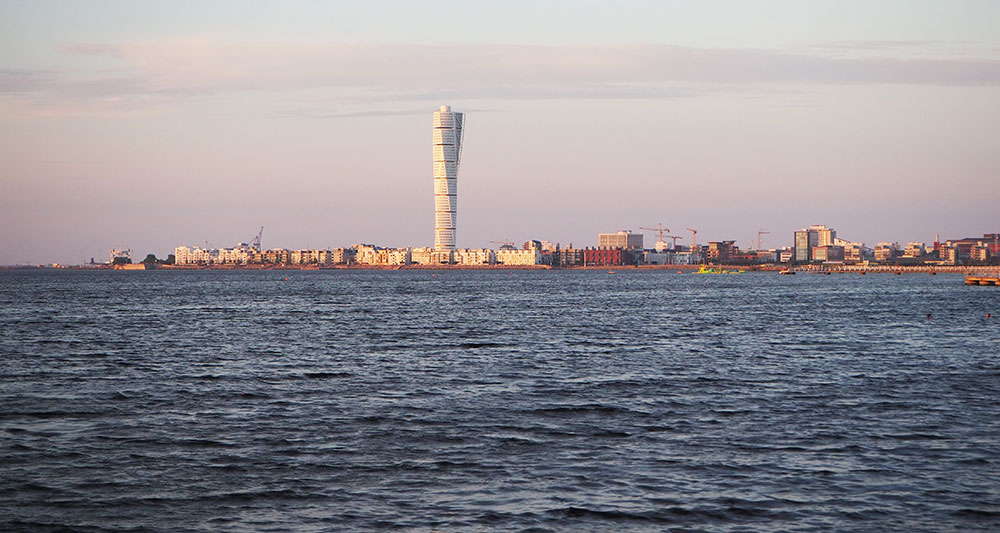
x=787, y=272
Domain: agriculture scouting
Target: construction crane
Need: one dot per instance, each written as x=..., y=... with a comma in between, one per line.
x=508, y=244
x=694, y=234
x=255, y=243
x=659, y=229
x=759, y=233
x=675, y=237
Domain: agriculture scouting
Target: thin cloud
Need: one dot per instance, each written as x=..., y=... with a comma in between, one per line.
x=383, y=72
x=320, y=113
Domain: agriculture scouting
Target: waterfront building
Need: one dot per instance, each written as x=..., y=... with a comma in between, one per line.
x=447, y=150
x=311, y=257
x=532, y=245
x=914, y=249
x=184, y=255
x=979, y=253
x=392, y=256
x=766, y=256
x=721, y=251
x=430, y=256
x=277, y=256
x=517, y=257
x=785, y=255
x=421, y=255
x=803, y=246
x=854, y=252
x=233, y=256
x=623, y=239
x=948, y=254
x=607, y=257
x=685, y=258
x=342, y=256
x=824, y=236
x=827, y=253
x=970, y=249
x=567, y=257
x=808, y=238
x=470, y=256
x=365, y=254
x=658, y=257
x=886, y=251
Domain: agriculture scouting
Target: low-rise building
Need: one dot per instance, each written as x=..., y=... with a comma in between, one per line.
x=767, y=256
x=184, y=255
x=623, y=239
x=342, y=256
x=421, y=255
x=721, y=251
x=430, y=256
x=854, y=252
x=392, y=256
x=234, y=256
x=517, y=257
x=364, y=254
x=567, y=257
x=606, y=257
x=656, y=257
x=828, y=253
x=685, y=258
x=914, y=250
x=886, y=251
x=310, y=257
x=979, y=253
x=474, y=256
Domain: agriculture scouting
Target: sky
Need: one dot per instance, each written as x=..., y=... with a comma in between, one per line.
x=151, y=125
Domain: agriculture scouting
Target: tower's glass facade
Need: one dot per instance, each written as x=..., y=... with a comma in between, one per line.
x=448, y=128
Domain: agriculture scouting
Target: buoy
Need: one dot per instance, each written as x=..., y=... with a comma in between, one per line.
x=928, y=315
x=286, y=279
x=987, y=315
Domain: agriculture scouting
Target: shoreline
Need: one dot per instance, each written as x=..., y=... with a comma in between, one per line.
x=804, y=269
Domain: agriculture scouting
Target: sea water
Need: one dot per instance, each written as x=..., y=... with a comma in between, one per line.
x=497, y=400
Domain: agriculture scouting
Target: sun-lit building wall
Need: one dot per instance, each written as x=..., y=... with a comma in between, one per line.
x=447, y=147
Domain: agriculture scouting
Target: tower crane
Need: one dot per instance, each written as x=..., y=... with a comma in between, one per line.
x=660, y=230
x=505, y=244
x=694, y=234
x=675, y=237
x=759, y=233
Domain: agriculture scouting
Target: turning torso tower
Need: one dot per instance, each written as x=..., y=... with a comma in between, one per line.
x=448, y=128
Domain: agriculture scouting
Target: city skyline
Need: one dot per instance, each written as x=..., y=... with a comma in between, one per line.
x=155, y=125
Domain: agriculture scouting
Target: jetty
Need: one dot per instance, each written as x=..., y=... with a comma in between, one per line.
x=982, y=280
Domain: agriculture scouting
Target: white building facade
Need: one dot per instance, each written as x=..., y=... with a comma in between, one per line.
x=518, y=257
x=470, y=256
x=184, y=255
x=447, y=148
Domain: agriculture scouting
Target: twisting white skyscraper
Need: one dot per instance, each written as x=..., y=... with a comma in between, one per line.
x=448, y=128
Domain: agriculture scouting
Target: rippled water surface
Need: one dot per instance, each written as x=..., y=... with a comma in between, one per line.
x=496, y=400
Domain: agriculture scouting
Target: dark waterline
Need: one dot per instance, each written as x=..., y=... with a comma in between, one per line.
x=496, y=400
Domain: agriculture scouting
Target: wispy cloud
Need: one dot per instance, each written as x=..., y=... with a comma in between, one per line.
x=416, y=72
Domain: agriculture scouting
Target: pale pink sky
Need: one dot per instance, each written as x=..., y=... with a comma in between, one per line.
x=172, y=124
